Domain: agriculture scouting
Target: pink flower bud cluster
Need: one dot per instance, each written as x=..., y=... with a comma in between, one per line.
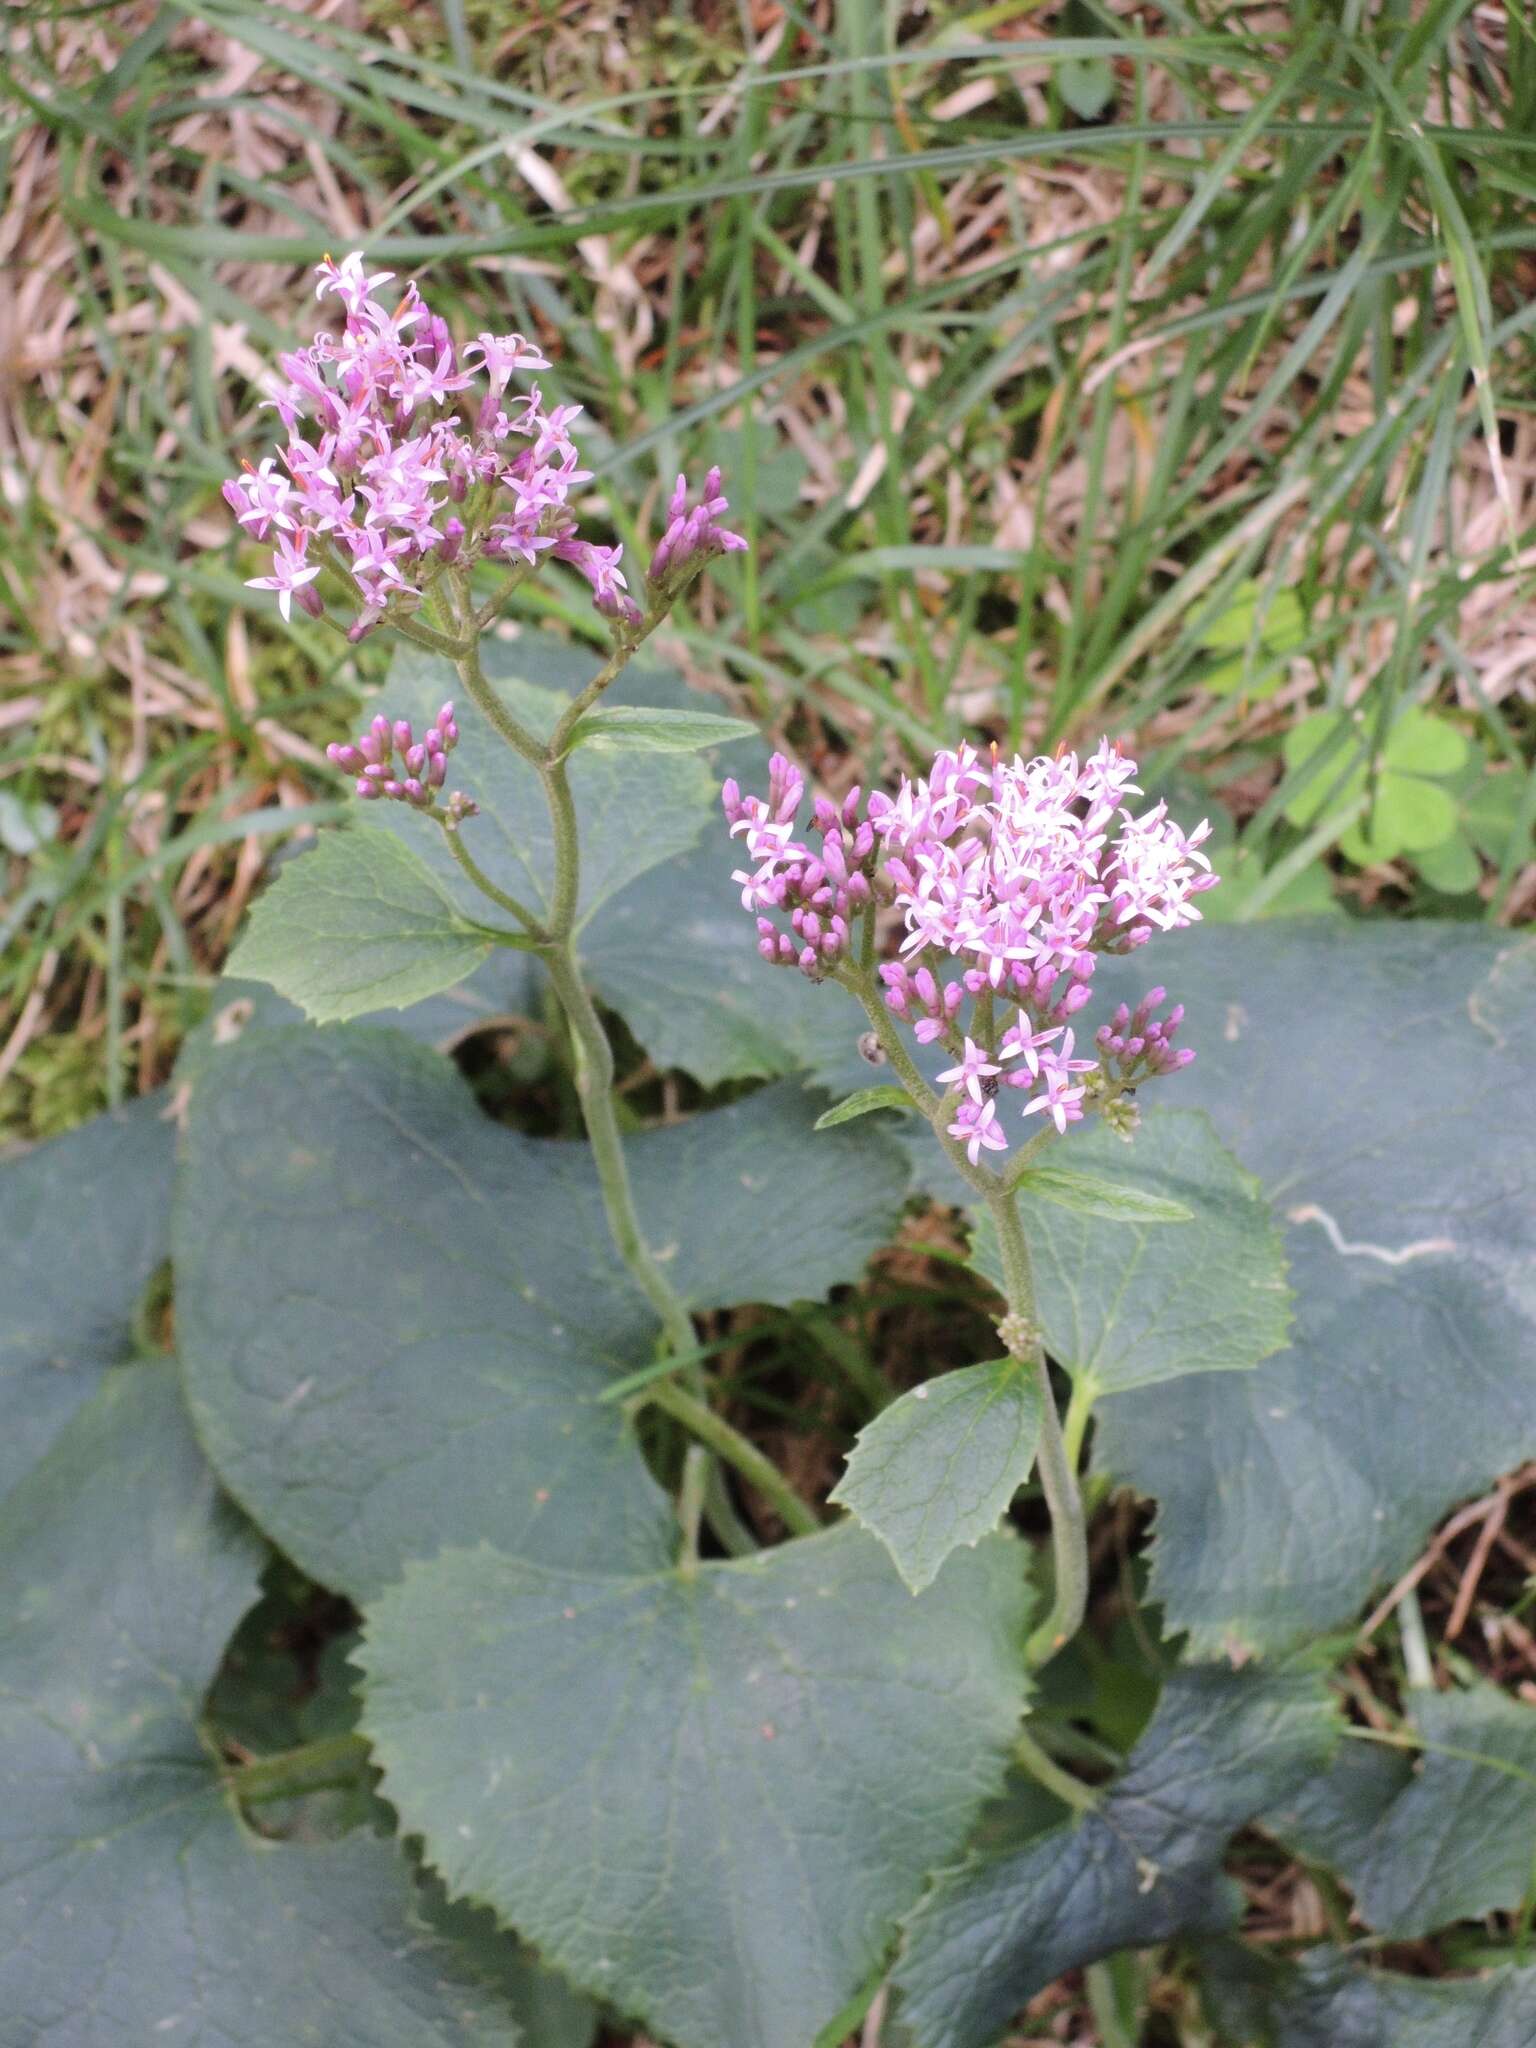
x=819, y=891
x=692, y=537
x=395, y=467
x=422, y=765
x=1011, y=878
x=1135, y=1044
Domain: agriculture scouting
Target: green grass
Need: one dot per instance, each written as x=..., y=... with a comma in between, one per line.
x=1036, y=348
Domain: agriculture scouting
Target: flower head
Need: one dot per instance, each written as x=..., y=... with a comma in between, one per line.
x=406, y=453
x=1011, y=878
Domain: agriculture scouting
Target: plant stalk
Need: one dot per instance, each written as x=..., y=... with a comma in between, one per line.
x=314, y=1767
x=595, y=1093
x=718, y=1434
x=1069, y=1533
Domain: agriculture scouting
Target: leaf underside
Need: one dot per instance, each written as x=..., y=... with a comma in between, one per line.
x=1016, y=1915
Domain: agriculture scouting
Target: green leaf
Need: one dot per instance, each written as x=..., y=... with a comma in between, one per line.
x=1419, y=743
x=1347, y=1064
x=635, y=809
x=1450, y=1840
x=84, y=1222
x=134, y=1905
x=1325, y=2000
x=1408, y=815
x=640, y=729
x=706, y=1798
x=1087, y=85
x=1280, y=625
x=1452, y=868
x=1124, y=1304
x=357, y=924
x=867, y=1099
x=409, y=1348
x=1340, y=777
x=1028, y=1906
x=1086, y=1195
x=938, y=1467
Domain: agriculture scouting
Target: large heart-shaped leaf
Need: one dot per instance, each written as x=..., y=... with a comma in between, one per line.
x=360, y=924
x=1327, y=2001
x=134, y=1904
x=1125, y=1303
x=84, y=1222
x=938, y=1467
x=635, y=809
x=397, y=1318
x=708, y=1796
x=1448, y=1841
x=1376, y=1079
x=1018, y=1913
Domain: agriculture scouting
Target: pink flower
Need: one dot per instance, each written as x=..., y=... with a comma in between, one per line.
x=977, y=1127
x=402, y=467
x=290, y=574
x=972, y=1073
x=1021, y=873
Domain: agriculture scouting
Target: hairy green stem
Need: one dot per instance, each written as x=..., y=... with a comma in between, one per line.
x=719, y=1436
x=315, y=1767
x=487, y=887
x=1058, y=1481
x=473, y=677
x=595, y=1092
x=690, y=1506
x=1046, y=1771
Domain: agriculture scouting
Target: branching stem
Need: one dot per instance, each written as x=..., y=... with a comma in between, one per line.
x=595, y=1076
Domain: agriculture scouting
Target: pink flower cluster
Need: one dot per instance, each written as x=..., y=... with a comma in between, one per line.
x=395, y=467
x=1011, y=878
x=819, y=892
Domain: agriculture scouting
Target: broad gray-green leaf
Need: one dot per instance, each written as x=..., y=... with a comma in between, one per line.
x=1124, y=1304
x=707, y=1798
x=938, y=1467
x=408, y=1348
x=134, y=1906
x=1376, y=1077
x=358, y=924
x=643, y=729
x=1086, y=1194
x=396, y=1317
x=863, y=1103
x=1146, y=1865
x=84, y=1222
x=1324, y=2000
x=1449, y=1840
x=634, y=810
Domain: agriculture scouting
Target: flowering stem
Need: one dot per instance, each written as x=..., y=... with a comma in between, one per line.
x=487, y=887
x=1069, y=1536
x=594, y=1084
x=759, y=1471
x=472, y=676
x=934, y=1107
x=594, y=1091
